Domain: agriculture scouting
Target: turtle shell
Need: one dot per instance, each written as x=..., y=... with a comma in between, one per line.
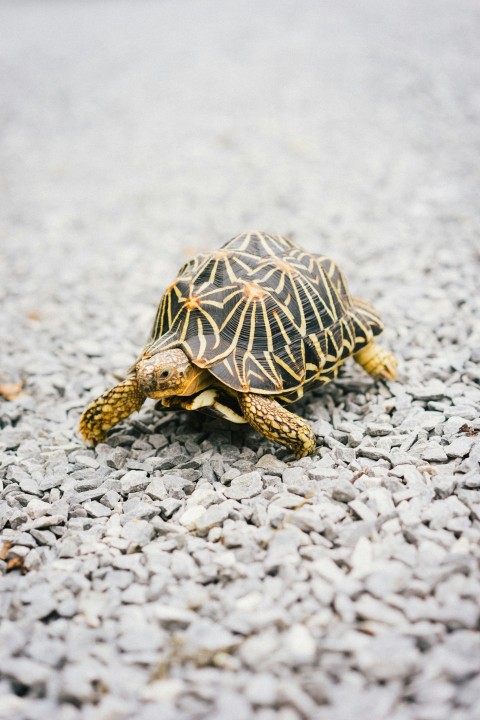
x=263, y=315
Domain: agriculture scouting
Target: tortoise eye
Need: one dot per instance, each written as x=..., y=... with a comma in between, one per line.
x=164, y=375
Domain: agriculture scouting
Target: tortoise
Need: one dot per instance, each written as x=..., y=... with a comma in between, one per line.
x=243, y=331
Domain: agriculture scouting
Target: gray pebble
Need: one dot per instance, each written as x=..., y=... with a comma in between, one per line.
x=388, y=657
x=245, y=486
x=459, y=447
x=263, y=689
x=300, y=644
x=111, y=499
x=87, y=461
x=97, y=509
x=270, y=464
x=213, y=516
x=374, y=453
x=133, y=481
x=26, y=672
x=434, y=452
x=169, y=507
x=379, y=429
x=177, y=486
x=156, y=489
x=343, y=491
x=29, y=485
x=137, y=533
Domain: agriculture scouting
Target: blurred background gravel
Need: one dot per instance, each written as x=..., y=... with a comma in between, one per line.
x=185, y=570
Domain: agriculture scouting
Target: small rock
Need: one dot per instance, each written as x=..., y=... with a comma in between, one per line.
x=177, y=486
x=111, y=499
x=245, y=486
x=443, y=485
x=363, y=511
x=169, y=615
x=271, y=464
x=370, y=608
x=29, y=485
x=141, y=637
x=434, y=452
x=322, y=428
x=161, y=692
x=292, y=475
x=343, y=491
x=362, y=557
x=262, y=689
x=435, y=390
x=37, y=508
x=379, y=429
x=97, y=509
x=135, y=594
x=87, y=461
x=213, y=516
x=169, y=507
x=204, y=634
x=47, y=521
x=430, y=419
x=259, y=648
x=380, y=500
x=300, y=645
x=439, y=512
x=307, y=520
x=156, y=489
x=459, y=448
x=373, y=453
x=134, y=481
x=388, y=657
x=26, y=672
x=191, y=515
x=137, y=532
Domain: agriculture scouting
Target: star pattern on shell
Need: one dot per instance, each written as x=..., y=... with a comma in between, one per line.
x=263, y=315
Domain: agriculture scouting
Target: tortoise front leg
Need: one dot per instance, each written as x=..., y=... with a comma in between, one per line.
x=111, y=407
x=275, y=422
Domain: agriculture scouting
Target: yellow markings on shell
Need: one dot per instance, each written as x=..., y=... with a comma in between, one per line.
x=193, y=303
x=280, y=325
x=251, y=336
x=277, y=379
x=286, y=367
x=288, y=350
x=228, y=366
x=313, y=304
x=253, y=291
x=267, y=328
x=202, y=339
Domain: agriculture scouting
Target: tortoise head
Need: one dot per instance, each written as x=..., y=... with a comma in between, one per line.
x=170, y=372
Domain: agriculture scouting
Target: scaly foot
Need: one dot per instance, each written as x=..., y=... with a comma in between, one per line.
x=275, y=422
x=111, y=407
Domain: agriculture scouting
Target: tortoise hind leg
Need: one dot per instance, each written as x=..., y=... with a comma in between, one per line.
x=111, y=407
x=377, y=362
x=276, y=423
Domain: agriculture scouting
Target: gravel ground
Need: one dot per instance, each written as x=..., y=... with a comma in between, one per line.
x=185, y=570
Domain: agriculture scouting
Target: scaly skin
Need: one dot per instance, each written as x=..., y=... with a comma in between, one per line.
x=377, y=362
x=271, y=419
x=111, y=407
